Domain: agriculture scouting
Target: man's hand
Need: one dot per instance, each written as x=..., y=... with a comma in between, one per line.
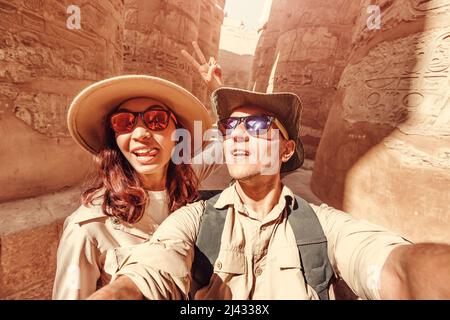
x=123, y=288
x=210, y=71
x=420, y=271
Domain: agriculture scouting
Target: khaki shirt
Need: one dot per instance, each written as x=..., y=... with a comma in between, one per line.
x=257, y=259
x=92, y=244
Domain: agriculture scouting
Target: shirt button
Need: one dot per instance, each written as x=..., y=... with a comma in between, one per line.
x=219, y=265
x=258, y=271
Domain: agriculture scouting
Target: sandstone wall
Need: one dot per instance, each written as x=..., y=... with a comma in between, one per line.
x=303, y=49
x=236, y=68
x=385, y=150
x=43, y=65
x=156, y=31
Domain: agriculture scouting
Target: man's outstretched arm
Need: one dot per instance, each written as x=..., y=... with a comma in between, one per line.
x=159, y=269
x=123, y=288
x=419, y=271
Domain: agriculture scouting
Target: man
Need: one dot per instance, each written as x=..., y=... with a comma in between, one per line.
x=259, y=254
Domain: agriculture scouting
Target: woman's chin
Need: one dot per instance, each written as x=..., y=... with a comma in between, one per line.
x=147, y=169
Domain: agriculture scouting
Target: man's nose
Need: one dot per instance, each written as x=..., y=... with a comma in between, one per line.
x=239, y=133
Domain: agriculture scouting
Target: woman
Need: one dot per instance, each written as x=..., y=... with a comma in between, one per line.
x=127, y=122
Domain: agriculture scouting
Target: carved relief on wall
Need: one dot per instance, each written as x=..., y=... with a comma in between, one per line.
x=43, y=112
x=156, y=54
x=37, y=54
x=403, y=83
x=157, y=31
x=394, y=13
x=431, y=5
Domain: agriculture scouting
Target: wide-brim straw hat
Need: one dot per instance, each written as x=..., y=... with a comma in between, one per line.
x=87, y=112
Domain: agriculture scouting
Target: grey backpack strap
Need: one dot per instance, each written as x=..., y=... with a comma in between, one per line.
x=312, y=246
x=207, y=245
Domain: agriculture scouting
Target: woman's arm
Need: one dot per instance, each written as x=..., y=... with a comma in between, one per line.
x=210, y=160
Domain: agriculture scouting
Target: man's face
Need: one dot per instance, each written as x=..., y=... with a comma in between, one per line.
x=249, y=155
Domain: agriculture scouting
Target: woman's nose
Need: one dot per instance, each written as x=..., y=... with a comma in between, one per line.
x=141, y=132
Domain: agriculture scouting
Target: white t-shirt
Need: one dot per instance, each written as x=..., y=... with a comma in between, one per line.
x=158, y=205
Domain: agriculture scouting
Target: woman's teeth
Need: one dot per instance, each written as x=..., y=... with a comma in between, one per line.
x=145, y=152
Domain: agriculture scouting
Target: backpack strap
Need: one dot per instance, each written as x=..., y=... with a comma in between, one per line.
x=312, y=246
x=207, y=246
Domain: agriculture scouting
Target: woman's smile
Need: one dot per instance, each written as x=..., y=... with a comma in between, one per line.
x=145, y=155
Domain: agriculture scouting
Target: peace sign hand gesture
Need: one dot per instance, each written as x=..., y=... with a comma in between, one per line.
x=210, y=71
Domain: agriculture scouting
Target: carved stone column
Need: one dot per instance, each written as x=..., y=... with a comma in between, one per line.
x=385, y=151
x=156, y=31
x=43, y=65
x=303, y=49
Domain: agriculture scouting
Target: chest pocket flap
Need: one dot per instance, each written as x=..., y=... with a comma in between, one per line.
x=230, y=262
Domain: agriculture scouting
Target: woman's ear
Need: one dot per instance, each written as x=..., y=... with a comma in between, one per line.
x=288, y=150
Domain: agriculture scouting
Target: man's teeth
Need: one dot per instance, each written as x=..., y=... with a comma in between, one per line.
x=240, y=153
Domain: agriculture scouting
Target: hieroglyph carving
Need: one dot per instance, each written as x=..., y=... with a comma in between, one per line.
x=404, y=83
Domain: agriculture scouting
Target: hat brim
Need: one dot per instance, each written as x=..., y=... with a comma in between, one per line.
x=87, y=113
x=285, y=106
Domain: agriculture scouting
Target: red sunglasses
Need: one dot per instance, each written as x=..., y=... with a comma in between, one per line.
x=155, y=118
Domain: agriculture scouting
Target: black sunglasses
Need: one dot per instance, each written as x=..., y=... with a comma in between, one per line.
x=256, y=126
x=155, y=118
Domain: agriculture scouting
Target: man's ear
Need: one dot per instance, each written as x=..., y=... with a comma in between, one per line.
x=288, y=150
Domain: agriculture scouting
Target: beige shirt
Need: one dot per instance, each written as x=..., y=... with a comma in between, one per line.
x=257, y=259
x=92, y=243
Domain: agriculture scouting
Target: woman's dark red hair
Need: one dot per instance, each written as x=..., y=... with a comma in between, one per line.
x=120, y=190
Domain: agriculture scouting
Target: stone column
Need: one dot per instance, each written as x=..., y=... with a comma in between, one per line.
x=264, y=58
x=303, y=49
x=385, y=151
x=43, y=65
x=156, y=31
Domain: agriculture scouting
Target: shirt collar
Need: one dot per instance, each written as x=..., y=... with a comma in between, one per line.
x=229, y=196
x=83, y=214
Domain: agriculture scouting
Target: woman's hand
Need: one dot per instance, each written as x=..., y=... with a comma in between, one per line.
x=210, y=71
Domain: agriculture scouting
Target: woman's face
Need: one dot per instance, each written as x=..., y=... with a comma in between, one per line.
x=147, y=151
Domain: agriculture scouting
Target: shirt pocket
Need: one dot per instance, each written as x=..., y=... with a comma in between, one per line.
x=116, y=258
x=288, y=258
x=230, y=262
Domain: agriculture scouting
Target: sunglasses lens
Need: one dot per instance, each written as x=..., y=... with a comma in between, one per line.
x=257, y=125
x=122, y=122
x=227, y=125
x=156, y=119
